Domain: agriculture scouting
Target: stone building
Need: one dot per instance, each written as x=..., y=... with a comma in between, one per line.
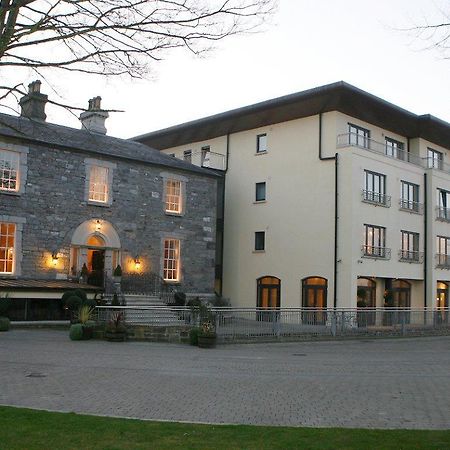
x=78, y=202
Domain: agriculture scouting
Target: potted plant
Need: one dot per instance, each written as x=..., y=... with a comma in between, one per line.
x=207, y=336
x=115, y=329
x=117, y=274
x=5, y=303
x=85, y=316
x=84, y=273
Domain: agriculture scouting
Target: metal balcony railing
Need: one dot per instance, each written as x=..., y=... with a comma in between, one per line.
x=443, y=214
x=376, y=198
x=369, y=251
x=442, y=261
x=410, y=256
x=410, y=206
x=209, y=160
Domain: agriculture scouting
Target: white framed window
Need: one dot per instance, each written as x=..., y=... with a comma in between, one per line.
x=7, y=247
x=9, y=171
x=261, y=143
x=171, y=263
x=174, y=199
x=98, y=184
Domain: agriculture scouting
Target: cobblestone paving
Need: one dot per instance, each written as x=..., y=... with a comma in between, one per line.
x=396, y=383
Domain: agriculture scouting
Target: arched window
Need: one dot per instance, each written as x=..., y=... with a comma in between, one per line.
x=366, y=292
x=314, y=292
x=401, y=291
x=442, y=295
x=269, y=292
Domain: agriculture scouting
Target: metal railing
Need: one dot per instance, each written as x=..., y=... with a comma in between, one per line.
x=410, y=206
x=442, y=214
x=147, y=283
x=376, y=198
x=369, y=251
x=410, y=256
x=209, y=160
x=442, y=261
x=241, y=324
x=354, y=140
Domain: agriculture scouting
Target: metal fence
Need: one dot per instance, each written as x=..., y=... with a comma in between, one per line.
x=246, y=324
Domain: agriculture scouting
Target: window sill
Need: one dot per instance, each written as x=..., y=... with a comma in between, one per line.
x=172, y=282
x=374, y=203
x=173, y=214
x=257, y=202
x=94, y=203
x=12, y=193
x=261, y=153
x=411, y=211
x=259, y=251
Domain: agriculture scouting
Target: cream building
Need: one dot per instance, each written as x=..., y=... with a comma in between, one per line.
x=332, y=197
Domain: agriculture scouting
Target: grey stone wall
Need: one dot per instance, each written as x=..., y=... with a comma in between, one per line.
x=53, y=205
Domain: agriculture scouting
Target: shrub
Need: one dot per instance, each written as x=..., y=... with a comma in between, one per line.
x=193, y=336
x=5, y=303
x=80, y=293
x=66, y=296
x=4, y=324
x=74, y=303
x=118, y=271
x=90, y=302
x=76, y=332
x=180, y=298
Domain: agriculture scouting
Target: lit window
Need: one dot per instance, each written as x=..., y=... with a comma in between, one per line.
x=98, y=184
x=260, y=194
x=375, y=241
x=261, y=143
x=7, y=236
x=173, y=196
x=410, y=246
x=9, y=171
x=260, y=240
x=171, y=260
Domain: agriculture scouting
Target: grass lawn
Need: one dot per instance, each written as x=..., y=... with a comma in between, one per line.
x=25, y=429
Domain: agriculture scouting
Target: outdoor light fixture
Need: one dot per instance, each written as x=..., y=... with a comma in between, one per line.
x=137, y=263
x=98, y=225
x=55, y=258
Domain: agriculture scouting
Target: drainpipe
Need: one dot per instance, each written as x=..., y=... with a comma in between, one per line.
x=336, y=217
x=425, y=246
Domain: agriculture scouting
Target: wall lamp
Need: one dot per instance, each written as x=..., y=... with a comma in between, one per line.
x=137, y=263
x=55, y=258
x=98, y=225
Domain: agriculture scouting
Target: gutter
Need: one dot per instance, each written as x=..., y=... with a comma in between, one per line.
x=336, y=217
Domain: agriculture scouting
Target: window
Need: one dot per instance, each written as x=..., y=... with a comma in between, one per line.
x=98, y=184
x=358, y=136
x=375, y=188
x=261, y=143
x=410, y=246
x=260, y=194
x=260, y=241
x=205, y=156
x=268, y=295
x=375, y=241
x=443, y=204
x=443, y=251
x=395, y=149
x=171, y=271
x=173, y=196
x=7, y=249
x=409, y=196
x=9, y=171
x=187, y=155
x=435, y=159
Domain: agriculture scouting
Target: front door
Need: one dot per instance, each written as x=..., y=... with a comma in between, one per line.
x=314, y=297
x=96, y=263
x=268, y=297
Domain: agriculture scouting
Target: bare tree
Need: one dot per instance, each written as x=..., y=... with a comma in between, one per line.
x=115, y=37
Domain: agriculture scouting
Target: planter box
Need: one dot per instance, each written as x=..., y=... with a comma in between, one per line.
x=118, y=336
x=205, y=341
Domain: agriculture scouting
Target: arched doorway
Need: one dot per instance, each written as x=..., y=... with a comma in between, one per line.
x=268, y=298
x=366, y=298
x=442, y=302
x=401, y=291
x=397, y=296
x=96, y=245
x=314, y=297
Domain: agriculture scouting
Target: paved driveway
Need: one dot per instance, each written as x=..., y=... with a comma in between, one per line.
x=398, y=383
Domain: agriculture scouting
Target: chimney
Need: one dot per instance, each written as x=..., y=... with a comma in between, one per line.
x=94, y=118
x=33, y=104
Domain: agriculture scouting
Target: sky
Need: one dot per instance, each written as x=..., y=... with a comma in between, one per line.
x=306, y=44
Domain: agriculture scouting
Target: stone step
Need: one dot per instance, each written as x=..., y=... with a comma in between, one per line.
x=153, y=317
x=143, y=300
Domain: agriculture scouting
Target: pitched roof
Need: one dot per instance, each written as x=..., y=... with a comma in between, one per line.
x=43, y=133
x=338, y=96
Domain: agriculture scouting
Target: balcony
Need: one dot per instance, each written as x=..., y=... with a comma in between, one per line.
x=369, y=251
x=375, y=198
x=410, y=256
x=210, y=160
x=442, y=214
x=410, y=206
x=442, y=261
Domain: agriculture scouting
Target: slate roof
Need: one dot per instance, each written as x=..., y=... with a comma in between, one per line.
x=339, y=96
x=27, y=130
x=9, y=283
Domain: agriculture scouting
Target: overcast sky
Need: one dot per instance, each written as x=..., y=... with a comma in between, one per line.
x=309, y=43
